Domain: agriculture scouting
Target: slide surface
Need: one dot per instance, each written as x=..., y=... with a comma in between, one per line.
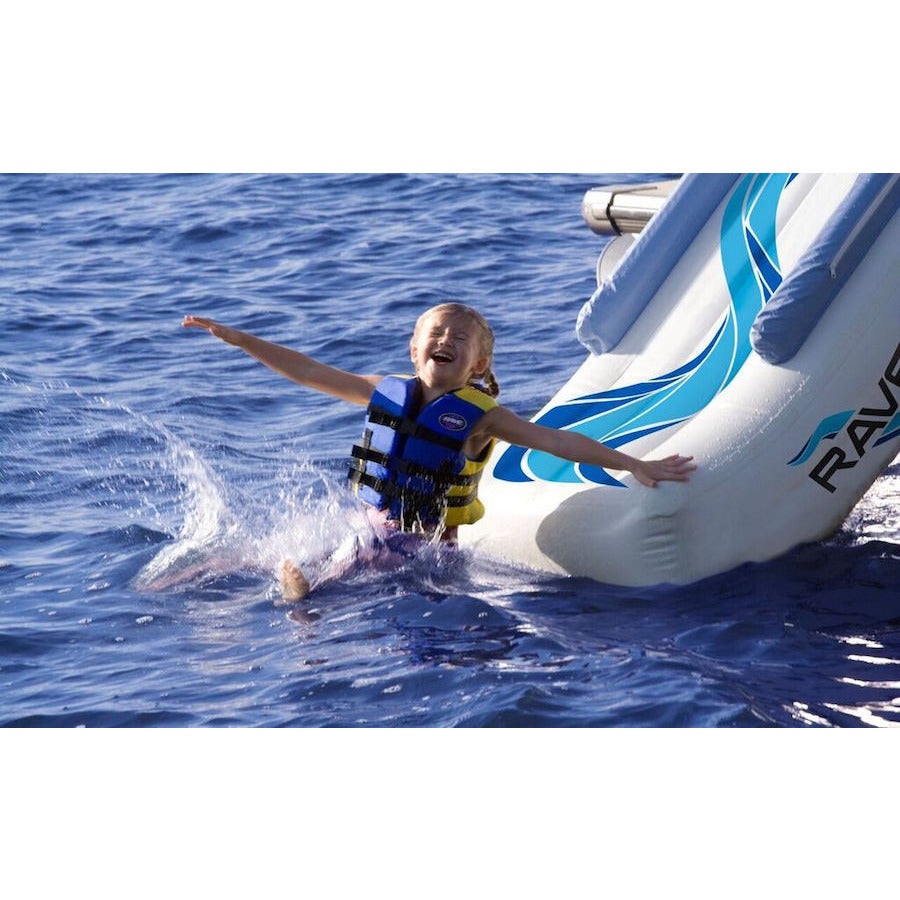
x=804, y=268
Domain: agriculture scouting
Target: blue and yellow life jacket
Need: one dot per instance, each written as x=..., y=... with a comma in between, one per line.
x=413, y=465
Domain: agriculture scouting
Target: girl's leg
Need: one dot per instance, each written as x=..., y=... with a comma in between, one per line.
x=386, y=548
x=295, y=585
x=377, y=551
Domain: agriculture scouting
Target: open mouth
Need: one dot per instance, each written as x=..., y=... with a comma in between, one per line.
x=440, y=357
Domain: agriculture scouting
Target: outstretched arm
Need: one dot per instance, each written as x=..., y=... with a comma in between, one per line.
x=300, y=368
x=501, y=423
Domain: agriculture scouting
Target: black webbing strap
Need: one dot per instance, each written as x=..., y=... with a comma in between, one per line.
x=413, y=468
x=392, y=489
x=380, y=416
x=356, y=471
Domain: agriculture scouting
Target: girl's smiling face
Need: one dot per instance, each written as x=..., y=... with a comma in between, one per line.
x=446, y=350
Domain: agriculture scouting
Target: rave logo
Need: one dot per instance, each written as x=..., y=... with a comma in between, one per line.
x=855, y=430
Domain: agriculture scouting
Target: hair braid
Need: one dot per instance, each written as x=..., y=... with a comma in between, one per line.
x=491, y=387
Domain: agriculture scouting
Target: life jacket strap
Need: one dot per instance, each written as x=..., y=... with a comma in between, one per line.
x=380, y=416
x=392, y=489
x=412, y=468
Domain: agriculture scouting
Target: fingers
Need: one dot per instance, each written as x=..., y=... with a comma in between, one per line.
x=672, y=468
x=197, y=322
x=667, y=476
x=679, y=463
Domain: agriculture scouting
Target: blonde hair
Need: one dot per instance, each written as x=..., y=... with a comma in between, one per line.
x=489, y=383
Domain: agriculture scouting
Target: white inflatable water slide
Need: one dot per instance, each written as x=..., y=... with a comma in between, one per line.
x=753, y=324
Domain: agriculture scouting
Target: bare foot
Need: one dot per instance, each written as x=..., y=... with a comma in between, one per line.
x=294, y=585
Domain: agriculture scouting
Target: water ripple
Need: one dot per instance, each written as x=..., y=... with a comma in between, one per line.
x=152, y=480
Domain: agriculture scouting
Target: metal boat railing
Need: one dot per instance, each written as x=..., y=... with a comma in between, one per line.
x=624, y=208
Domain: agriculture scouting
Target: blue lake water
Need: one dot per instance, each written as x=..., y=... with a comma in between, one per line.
x=152, y=478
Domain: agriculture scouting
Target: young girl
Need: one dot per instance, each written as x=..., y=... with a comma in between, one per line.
x=427, y=438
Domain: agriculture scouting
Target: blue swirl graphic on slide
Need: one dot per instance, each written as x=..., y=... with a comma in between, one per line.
x=619, y=416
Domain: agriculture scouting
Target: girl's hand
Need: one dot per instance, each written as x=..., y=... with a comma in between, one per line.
x=223, y=332
x=672, y=468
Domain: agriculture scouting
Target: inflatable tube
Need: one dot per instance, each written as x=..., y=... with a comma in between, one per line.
x=784, y=451
x=616, y=304
x=787, y=319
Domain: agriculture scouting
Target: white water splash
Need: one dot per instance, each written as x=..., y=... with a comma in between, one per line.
x=877, y=515
x=304, y=517
x=207, y=523
x=218, y=524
